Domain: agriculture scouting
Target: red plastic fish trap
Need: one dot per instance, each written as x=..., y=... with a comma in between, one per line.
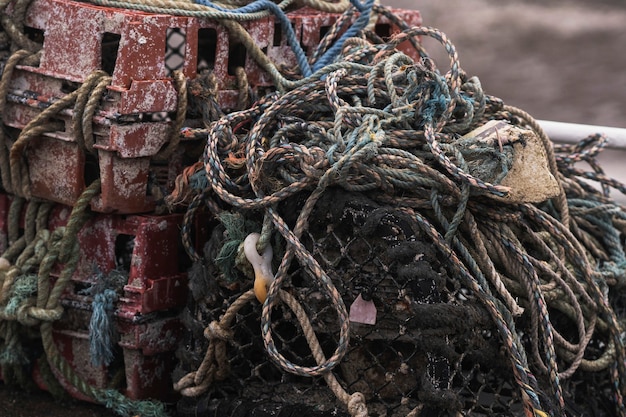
x=122, y=126
x=140, y=259
x=143, y=362
x=144, y=251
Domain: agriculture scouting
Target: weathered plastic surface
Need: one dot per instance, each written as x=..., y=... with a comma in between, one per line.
x=145, y=357
x=134, y=48
x=145, y=247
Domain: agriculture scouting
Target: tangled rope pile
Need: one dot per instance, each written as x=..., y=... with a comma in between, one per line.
x=365, y=118
x=378, y=122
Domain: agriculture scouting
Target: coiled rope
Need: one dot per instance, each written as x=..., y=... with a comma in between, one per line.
x=377, y=122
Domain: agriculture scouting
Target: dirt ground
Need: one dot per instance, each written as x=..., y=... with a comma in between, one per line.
x=563, y=61
x=40, y=404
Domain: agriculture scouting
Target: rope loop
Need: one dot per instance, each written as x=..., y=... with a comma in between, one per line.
x=46, y=314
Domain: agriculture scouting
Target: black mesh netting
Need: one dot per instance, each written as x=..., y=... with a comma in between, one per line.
x=433, y=346
x=495, y=266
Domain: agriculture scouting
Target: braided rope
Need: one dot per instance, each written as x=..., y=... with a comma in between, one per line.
x=40, y=124
x=12, y=62
x=214, y=366
x=376, y=122
x=253, y=11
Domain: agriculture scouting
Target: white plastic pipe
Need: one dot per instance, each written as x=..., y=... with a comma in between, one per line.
x=573, y=133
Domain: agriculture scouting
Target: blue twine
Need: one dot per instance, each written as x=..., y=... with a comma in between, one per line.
x=436, y=105
x=101, y=328
x=199, y=181
x=262, y=5
x=365, y=10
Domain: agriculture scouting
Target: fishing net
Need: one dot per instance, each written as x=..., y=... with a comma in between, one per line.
x=385, y=238
x=434, y=252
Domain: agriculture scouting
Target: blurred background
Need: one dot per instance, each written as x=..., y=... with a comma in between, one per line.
x=562, y=60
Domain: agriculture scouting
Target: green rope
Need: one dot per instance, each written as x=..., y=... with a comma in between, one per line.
x=237, y=228
x=379, y=123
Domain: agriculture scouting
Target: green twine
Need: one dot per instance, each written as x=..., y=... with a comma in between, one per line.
x=126, y=407
x=12, y=352
x=25, y=286
x=237, y=228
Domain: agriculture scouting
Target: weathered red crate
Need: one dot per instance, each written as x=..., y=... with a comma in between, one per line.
x=142, y=368
x=146, y=247
x=140, y=51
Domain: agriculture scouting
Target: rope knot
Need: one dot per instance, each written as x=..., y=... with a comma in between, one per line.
x=215, y=331
x=357, y=406
x=23, y=315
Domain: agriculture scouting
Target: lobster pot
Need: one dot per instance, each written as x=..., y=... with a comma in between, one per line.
x=433, y=345
x=152, y=80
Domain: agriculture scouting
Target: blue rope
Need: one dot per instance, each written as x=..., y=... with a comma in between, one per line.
x=102, y=328
x=199, y=181
x=262, y=5
x=365, y=10
x=438, y=102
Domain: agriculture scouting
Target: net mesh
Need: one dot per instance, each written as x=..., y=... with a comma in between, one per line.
x=434, y=347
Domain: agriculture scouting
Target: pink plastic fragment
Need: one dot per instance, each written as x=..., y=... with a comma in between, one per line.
x=362, y=311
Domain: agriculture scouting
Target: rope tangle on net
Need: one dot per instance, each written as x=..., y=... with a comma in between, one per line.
x=375, y=121
x=368, y=118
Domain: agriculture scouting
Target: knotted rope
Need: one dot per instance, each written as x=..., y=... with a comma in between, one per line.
x=12, y=62
x=377, y=122
x=230, y=15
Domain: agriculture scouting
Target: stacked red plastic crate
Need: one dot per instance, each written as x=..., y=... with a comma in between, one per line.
x=132, y=124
